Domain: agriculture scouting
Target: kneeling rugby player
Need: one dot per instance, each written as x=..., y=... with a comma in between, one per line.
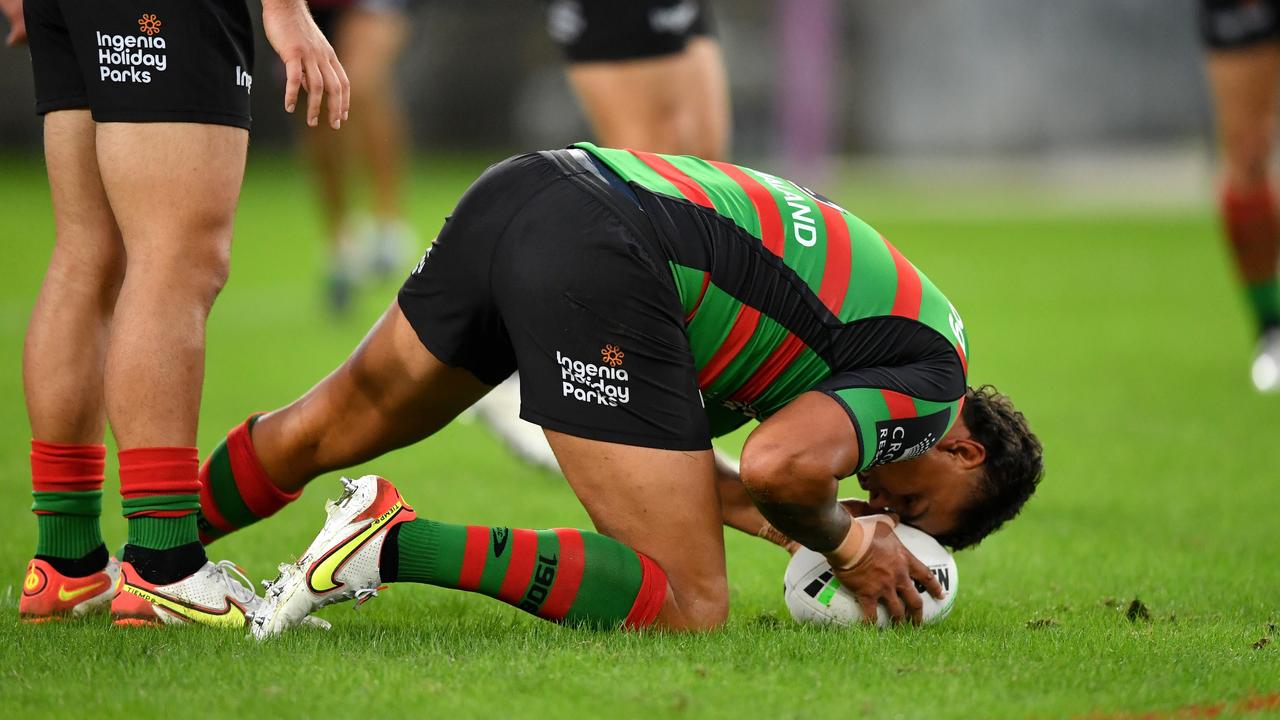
x=650, y=303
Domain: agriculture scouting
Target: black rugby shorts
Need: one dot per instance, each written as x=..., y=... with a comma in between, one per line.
x=143, y=60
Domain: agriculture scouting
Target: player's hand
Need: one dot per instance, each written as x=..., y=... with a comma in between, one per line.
x=309, y=61
x=874, y=565
x=12, y=10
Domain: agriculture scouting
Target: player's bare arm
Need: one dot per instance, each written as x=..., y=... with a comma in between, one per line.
x=309, y=61
x=792, y=466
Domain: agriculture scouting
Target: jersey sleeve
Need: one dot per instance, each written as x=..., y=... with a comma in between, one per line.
x=890, y=424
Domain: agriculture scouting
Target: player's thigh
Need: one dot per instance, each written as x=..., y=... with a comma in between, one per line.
x=706, y=99
x=631, y=103
x=368, y=44
x=1243, y=83
x=661, y=503
x=173, y=187
x=88, y=241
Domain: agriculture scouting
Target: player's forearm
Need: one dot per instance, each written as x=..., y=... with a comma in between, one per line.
x=798, y=500
x=739, y=512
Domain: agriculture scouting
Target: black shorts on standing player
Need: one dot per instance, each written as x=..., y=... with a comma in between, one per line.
x=143, y=60
x=1227, y=24
x=608, y=30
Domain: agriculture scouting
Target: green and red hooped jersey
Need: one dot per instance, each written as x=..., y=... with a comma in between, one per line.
x=765, y=308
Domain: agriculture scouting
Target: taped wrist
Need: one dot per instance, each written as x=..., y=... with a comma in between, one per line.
x=854, y=547
x=768, y=532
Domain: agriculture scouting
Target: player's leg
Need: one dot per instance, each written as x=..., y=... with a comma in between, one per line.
x=393, y=390
x=707, y=121
x=631, y=103
x=62, y=373
x=371, y=37
x=329, y=157
x=664, y=505
x=390, y=393
x=657, y=558
x=173, y=189
x=1243, y=81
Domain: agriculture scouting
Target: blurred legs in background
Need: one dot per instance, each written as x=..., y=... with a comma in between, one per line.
x=676, y=104
x=1243, y=81
x=368, y=37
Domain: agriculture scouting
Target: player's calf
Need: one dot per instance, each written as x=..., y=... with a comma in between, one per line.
x=373, y=537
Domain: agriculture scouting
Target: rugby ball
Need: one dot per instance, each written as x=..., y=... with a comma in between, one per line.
x=814, y=595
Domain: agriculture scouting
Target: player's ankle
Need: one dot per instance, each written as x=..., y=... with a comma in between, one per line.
x=169, y=565
x=83, y=566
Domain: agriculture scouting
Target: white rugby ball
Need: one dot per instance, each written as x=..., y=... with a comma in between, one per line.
x=813, y=594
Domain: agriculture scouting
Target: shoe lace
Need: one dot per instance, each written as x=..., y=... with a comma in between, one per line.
x=363, y=595
x=234, y=577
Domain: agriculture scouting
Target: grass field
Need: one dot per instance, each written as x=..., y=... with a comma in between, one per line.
x=1118, y=334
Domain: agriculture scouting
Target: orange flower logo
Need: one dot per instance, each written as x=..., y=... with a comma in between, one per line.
x=612, y=355
x=149, y=23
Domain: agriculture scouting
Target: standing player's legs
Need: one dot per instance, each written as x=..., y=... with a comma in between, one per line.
x=633, y=103
x=173, y=189
x=705, y=108
x=370, y=40
x=1243, y=81
x=62, y=368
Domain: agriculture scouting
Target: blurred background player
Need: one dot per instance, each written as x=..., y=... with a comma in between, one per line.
x=368, y=36
x=1243, y=41
x=146, y=119
x=650, y=76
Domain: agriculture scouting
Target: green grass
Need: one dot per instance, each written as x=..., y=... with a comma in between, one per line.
x=1120, y=336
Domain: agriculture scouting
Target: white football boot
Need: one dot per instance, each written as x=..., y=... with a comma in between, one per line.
x=342, y=562
x=1266, y=363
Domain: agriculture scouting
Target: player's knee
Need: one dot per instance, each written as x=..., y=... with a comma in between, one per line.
x=1247, y=164
x=702, y=607
x=209, y=273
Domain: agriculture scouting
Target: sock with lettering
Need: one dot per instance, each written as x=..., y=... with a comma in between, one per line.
x=235, y=491
x=161, y=494
x=562, y=575
x=1253, y=230
x=66, y=483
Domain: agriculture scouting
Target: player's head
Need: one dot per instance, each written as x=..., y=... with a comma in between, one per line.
x=976, y=478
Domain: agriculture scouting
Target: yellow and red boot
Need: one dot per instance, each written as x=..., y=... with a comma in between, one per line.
x=49, y=595
x=209, y=596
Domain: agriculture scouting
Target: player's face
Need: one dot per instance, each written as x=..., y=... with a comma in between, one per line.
x=930, y=491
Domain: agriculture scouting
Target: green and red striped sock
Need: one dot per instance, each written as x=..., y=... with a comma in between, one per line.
x=161, y=496
x=1253, y=230
x=235, y=491
x=562, y=575
x=66, y=483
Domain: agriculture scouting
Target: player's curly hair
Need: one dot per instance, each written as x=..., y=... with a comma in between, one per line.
x=1011, y=472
